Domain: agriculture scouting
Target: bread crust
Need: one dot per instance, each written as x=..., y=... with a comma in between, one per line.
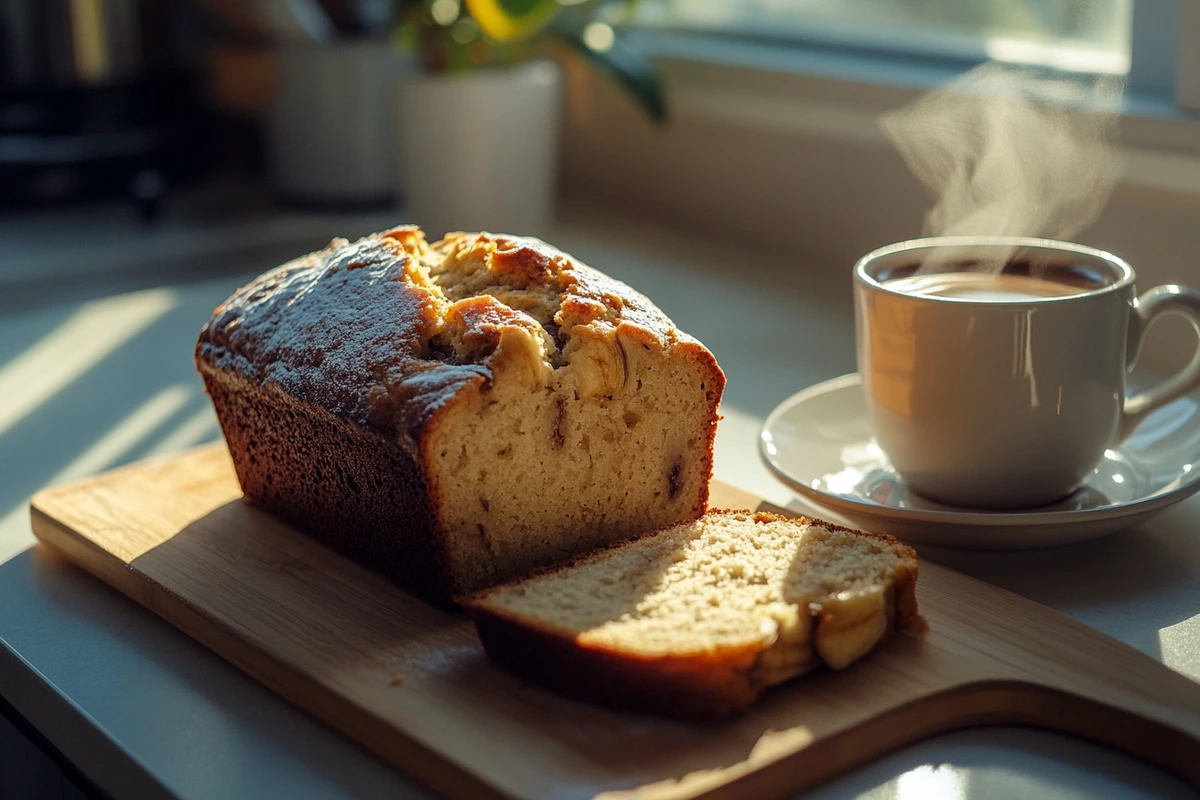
x=353, y=328
x=689, y=685
x=350, y=489
x=329, y=381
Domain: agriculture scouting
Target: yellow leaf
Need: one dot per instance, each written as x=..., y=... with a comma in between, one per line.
x=501, y=25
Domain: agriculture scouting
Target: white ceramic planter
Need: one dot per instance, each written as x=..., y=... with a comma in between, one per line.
x=329, y=129
x=479, y=151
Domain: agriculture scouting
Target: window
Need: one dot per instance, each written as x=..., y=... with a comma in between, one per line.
x=1092, y=36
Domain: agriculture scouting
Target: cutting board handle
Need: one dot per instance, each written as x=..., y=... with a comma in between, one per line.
x=1143, y=727
x=1165, y=737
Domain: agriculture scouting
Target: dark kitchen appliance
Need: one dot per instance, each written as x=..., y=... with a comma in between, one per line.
x=92, y=103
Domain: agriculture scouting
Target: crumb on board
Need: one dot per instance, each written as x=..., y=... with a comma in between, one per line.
x=396, y=680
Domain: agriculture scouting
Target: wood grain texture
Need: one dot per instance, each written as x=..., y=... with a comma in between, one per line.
x=411, y=683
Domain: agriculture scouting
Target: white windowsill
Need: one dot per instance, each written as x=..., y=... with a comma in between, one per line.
x=778, y=149
x=824, y=92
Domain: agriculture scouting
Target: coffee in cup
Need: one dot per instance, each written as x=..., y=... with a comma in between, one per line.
x=1002, y=288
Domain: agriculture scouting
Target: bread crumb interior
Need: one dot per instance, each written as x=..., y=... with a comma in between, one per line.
x=589, y=431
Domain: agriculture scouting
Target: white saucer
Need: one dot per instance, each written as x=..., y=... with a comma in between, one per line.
x=819, y=443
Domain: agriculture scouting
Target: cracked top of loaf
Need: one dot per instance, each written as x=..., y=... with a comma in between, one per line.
x=386, y=330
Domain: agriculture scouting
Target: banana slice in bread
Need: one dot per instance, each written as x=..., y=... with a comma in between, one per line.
x=700, y=618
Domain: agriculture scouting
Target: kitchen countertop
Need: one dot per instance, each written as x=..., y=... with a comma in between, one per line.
x=143, y=711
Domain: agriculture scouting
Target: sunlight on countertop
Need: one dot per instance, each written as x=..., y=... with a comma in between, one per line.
x=1180, y=645
x=86, y=338
x=128, y=406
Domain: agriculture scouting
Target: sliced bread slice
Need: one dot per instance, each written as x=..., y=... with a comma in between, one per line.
x=699, y=618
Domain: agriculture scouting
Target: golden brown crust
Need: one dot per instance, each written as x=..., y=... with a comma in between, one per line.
x=908, y=616
x=354, y=328
x=686, y=685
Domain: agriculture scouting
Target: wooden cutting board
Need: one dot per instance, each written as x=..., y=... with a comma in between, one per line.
x=412, y=684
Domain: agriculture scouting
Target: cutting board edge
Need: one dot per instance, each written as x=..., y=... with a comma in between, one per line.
x=424, y=765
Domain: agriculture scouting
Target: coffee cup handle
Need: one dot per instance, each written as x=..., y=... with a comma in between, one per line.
x=1168, y=299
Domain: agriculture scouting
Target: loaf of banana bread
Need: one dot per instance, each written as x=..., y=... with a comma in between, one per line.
x=458, y=414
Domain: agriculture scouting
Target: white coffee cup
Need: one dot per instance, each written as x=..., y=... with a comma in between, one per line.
x=1005, y=393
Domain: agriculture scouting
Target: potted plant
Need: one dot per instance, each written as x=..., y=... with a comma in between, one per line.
x=477, y=124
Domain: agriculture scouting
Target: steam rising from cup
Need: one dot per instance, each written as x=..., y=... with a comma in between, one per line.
x=1006, y=152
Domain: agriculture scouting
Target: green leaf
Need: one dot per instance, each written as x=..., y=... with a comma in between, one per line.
x=522, y=8
x=632, y=70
